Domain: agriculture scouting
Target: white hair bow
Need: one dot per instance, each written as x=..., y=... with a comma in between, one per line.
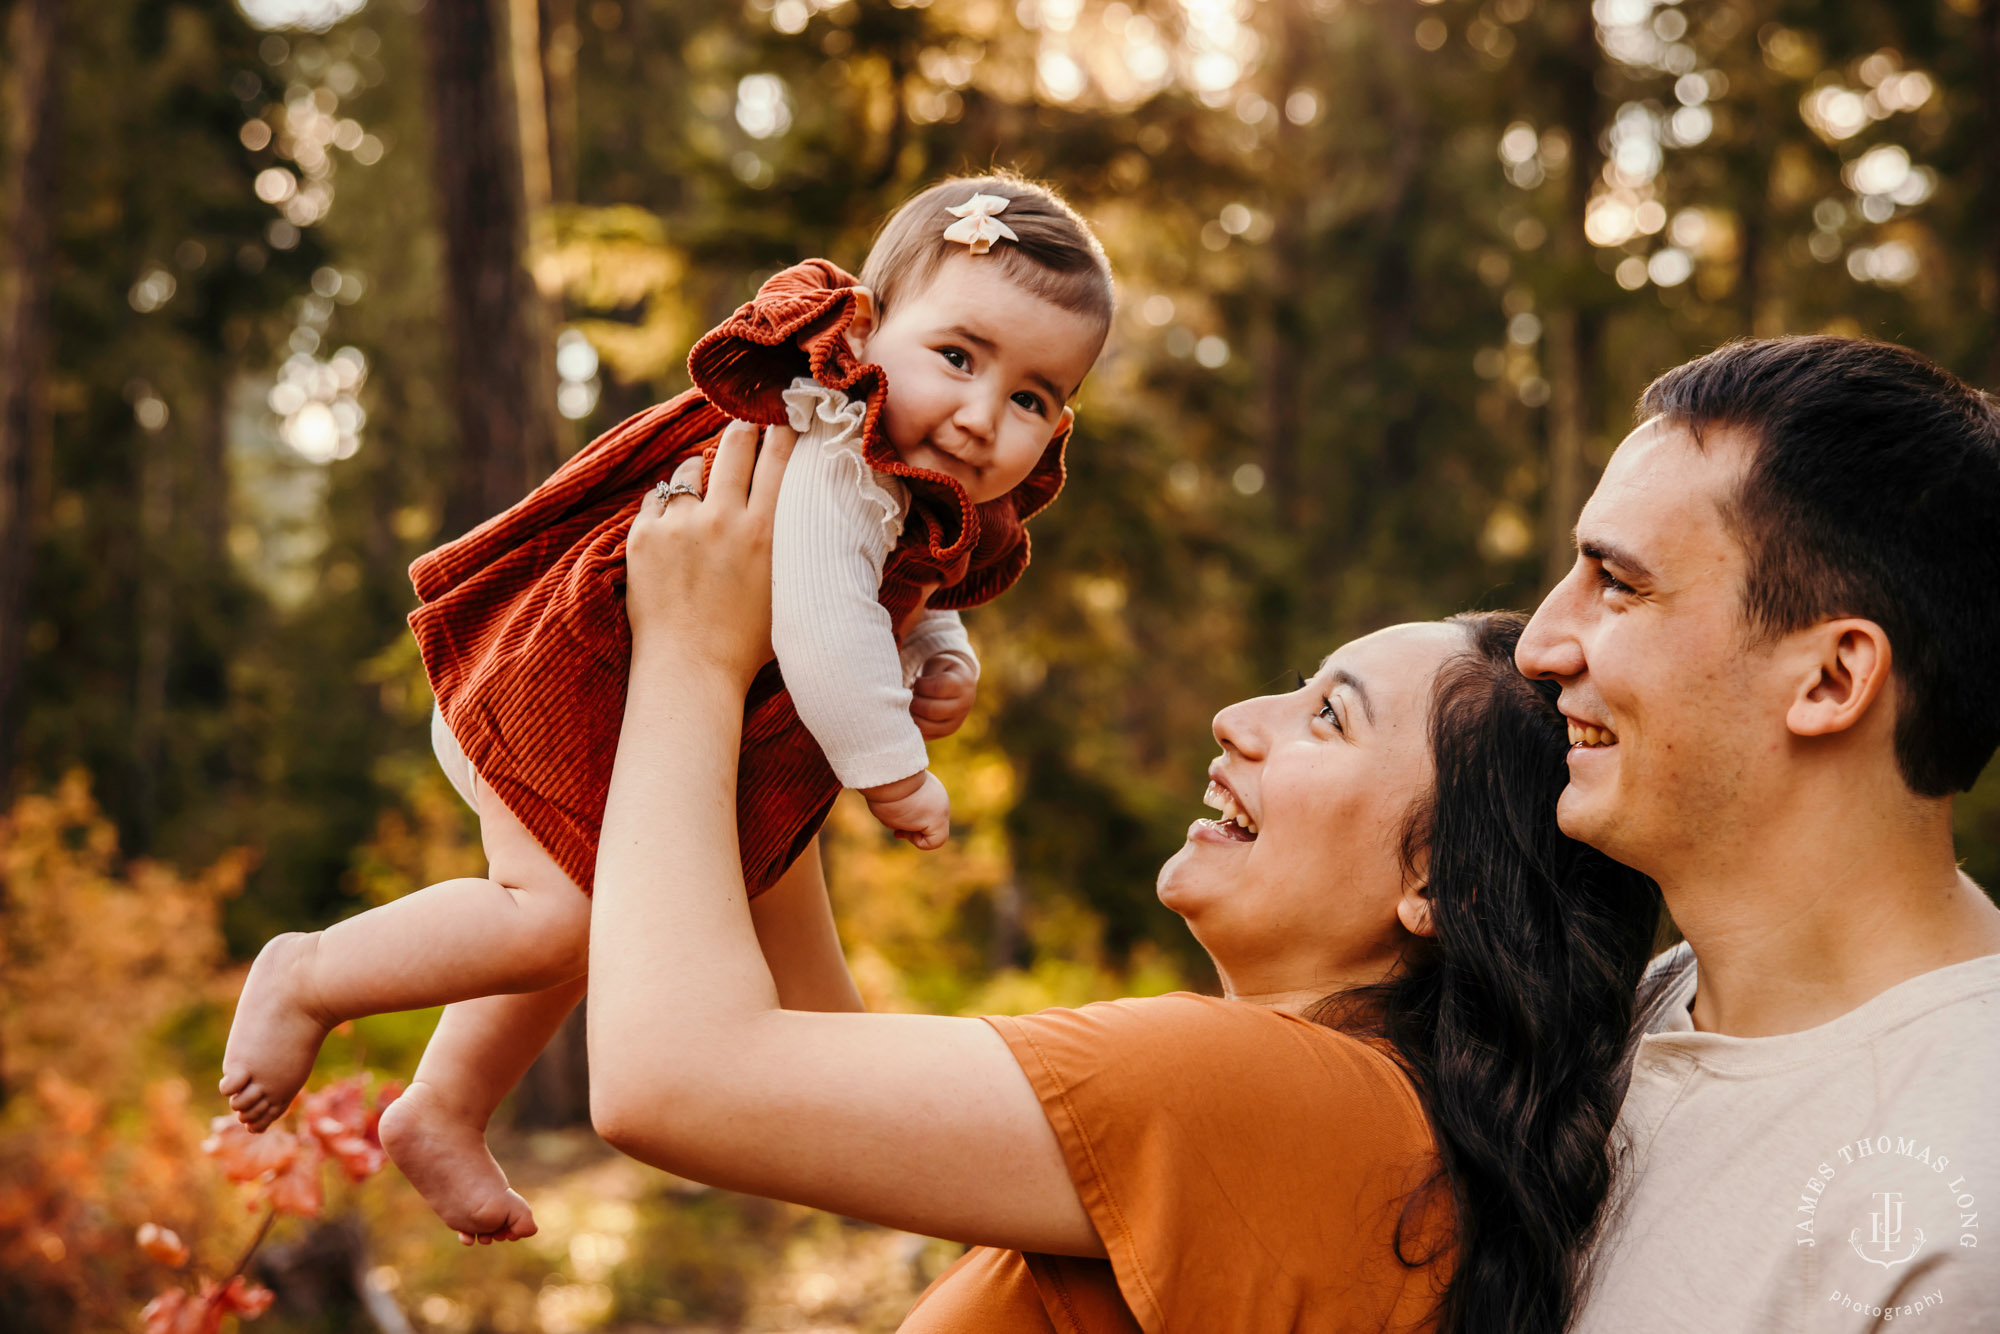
x=977, y=226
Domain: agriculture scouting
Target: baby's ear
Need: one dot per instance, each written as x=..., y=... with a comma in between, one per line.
x=1067, y=421
x=863, y=324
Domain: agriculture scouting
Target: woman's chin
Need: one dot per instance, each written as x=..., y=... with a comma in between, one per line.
x=1196, y=876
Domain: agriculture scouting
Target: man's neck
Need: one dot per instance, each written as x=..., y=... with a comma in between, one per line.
x=1823, y=907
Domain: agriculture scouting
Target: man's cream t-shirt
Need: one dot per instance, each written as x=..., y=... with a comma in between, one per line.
x=1833, y=1180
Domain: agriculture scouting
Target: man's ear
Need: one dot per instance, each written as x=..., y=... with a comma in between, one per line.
x=1846, y=664
x=1413, y=910
x=863, y=324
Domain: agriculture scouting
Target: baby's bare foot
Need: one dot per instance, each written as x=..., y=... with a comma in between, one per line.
x=276, y=1033
x=445, y=1157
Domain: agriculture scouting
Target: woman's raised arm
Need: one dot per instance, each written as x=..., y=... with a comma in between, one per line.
x=913, y=1121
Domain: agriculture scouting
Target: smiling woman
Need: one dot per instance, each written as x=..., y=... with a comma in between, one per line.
x=1395, y=1117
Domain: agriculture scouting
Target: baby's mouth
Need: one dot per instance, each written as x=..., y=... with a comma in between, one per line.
x=1591, y=738
x=1235, y=822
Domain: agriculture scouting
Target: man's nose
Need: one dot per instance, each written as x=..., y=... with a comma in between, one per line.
x=1549, y=648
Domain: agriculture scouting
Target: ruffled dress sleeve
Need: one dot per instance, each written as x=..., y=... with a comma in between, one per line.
x=837, y=521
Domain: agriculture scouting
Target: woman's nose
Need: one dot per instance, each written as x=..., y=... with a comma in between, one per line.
x=1241, y=727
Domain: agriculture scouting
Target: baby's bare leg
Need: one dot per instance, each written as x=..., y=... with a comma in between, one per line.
x=527, y=928
x=436, y=1132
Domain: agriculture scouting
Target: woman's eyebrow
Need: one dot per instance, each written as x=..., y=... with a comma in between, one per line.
x=1343, y=677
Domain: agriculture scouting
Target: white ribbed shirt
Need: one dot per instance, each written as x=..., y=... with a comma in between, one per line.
x=838, y=520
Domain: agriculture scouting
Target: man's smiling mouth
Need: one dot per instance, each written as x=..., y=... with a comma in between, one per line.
x=1591, y=738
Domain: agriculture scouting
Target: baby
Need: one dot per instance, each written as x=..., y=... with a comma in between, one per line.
x=930, y=400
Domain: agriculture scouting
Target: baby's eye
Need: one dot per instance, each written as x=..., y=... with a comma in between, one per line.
x=1032, y=403
x=955, y=356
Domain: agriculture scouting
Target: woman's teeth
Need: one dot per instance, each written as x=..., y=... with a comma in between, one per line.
x=1223, y=800
x=1591, y=736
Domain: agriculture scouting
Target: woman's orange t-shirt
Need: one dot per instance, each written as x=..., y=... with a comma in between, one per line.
x=1248, y=1171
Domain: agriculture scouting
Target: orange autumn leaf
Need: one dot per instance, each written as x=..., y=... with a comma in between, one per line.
x=297, y=1187
x=176, y=1311
x=347, y=1127
x=162, y=1245
x=243, y=1297
x=385, y=1095
x=247, y=1157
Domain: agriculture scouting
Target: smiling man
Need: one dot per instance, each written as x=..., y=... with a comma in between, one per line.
x=1779, y=651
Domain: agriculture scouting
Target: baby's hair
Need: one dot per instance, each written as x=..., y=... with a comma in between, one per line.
x=1057, y=257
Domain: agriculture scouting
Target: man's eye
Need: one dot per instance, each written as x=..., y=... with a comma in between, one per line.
x=956, y=356
x=1032, y=403
x=1611, y=581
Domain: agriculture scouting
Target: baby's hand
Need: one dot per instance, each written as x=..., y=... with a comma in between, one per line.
x=917, y=808
x=941, y=698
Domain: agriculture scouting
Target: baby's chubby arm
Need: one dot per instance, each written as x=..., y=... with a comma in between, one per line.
x=834, y=642
x=917, y=808
x=938, y=654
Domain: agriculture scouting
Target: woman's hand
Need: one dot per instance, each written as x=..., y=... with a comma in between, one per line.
x=698, y=570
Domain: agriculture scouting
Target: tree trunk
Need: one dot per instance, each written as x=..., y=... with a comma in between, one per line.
x=560, y=42
x=1989, y=50
x=503, y=374
x=555, y=1093
x=29, y=184
x=1573, y=329
x=155, y=616
x=1283, y=341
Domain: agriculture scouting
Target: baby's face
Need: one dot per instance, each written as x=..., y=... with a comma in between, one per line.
x=979, y=372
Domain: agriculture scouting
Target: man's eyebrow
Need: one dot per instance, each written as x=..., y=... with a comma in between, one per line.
x=1343, y=677
x=1048, y=386
x=1608, y=553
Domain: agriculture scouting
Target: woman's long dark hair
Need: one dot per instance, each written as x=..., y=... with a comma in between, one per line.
x=1514, y=1019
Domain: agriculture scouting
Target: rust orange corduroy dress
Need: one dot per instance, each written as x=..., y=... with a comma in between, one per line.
x=522, y=621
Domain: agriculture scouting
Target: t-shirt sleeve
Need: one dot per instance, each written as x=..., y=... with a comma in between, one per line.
x=1246, y=1169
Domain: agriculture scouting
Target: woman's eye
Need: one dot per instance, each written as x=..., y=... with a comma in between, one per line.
x=956, y=356
x=1031, y=403
x=1327, y=714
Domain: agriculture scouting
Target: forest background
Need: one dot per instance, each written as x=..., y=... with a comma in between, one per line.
x=293, y=290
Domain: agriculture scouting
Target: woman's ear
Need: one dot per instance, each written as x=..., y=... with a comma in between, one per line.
x=863, y=324
x=1413, y=910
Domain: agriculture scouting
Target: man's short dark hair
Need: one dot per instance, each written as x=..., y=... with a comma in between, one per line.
x=1873, y=491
